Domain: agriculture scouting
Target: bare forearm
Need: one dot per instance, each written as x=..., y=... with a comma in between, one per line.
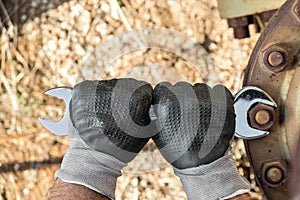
x=242, y=197
x=69, y=191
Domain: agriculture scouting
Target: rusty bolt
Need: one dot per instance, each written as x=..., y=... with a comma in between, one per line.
x=273, y=173
x=297, y=10
x=240, y=26
x=275, y=58
x=261, y=116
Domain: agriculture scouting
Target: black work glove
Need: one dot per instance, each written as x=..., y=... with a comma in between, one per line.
x=196, y=128
x=109, y=123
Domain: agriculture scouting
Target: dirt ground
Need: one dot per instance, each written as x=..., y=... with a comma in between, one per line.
x=67, y=43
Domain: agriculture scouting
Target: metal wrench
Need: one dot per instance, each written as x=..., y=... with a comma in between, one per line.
x=60, y=127
x=244, y=100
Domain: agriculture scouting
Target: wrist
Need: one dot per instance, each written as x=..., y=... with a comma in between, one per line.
x=62, y=190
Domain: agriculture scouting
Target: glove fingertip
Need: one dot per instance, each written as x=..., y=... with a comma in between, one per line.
x=222, y=87
x=182, y=84
x=201, y=86
x=163, y=84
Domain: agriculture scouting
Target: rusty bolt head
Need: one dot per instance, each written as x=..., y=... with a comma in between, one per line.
x=261, y=117
x=238, y=22
x=240, y=27
x=275, y=58
x=297, y=10
x=273, y=173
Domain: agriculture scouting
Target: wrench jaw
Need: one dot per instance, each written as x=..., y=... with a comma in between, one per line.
x=60, y=127
x=244, y=100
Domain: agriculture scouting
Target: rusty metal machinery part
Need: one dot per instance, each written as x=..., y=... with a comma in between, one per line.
x=238, y=8
x=240, y=25
x=275, y=67
x=295, y=180
x=240, y=14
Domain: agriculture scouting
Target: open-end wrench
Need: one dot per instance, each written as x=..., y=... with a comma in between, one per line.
x=244, y=100
x=60, y=127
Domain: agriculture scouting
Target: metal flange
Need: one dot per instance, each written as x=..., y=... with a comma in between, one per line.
x=275, y=67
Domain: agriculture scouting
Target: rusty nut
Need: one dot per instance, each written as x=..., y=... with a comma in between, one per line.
x=275, y=58
x=240, y=27
x=261, y=116
x=273, y=173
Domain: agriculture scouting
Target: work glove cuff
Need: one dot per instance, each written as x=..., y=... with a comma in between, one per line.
x=92, y=169
x=216, y=180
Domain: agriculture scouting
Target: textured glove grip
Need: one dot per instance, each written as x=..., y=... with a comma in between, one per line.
x=196, y=123
x=92, y=115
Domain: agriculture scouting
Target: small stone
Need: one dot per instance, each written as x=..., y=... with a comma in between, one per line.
x=144, y=183
x=52, y=45
x=23, y=18
x=212, y=46
x=102, y=28
x=76, y=10
x=63, y=43
x=79, y=50
x=64, y=25
x=105, y=7
x=190, y=32
x=84, y=21
x=34, y=4
x=134, y=182
x=26, y=191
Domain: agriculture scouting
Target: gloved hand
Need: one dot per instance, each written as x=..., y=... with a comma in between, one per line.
x=196, y=126
x=108, y=127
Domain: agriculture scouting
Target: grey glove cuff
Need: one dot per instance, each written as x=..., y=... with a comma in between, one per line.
x=217, y=180
x=92, y=169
